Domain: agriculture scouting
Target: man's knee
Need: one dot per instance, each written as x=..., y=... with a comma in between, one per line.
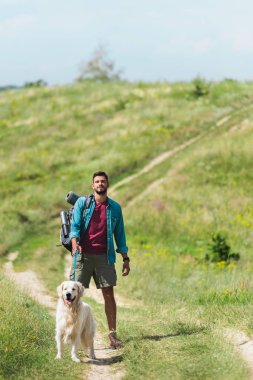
x=108, y=292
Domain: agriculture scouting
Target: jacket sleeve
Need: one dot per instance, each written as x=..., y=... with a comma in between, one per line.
x=76, y=224
x=119, y=235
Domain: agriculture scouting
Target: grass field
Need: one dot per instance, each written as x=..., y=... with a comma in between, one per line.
x=53, y=139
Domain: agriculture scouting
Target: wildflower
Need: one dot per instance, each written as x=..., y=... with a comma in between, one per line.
x=221, y=264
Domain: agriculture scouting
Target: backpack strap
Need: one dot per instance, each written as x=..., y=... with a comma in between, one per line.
x=87, y=204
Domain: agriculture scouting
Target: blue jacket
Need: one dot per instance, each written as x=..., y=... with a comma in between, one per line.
x=115, y=225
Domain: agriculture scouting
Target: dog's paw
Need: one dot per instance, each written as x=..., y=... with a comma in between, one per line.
x=75, y=359
x=58, y=356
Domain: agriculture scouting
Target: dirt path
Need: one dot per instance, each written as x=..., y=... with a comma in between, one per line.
x=163, y=156
x=29, y=283
x=170, y=173
x=100, y=368
x=156, y=161
x=244, y=346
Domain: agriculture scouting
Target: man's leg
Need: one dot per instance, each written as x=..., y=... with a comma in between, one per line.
x=110, y=311
x=110, y=307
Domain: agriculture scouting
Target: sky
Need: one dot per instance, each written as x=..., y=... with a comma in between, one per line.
x=150, y=40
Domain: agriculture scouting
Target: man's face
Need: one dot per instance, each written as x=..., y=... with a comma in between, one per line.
x=100, y=185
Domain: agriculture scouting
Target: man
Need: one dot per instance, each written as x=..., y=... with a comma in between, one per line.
x=93, y=239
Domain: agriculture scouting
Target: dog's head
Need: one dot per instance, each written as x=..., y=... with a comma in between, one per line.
x=70, y=291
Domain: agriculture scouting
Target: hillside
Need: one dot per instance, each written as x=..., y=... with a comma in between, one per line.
x=180, y=165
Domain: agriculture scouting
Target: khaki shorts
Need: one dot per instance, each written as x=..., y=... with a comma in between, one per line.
x=95, y=266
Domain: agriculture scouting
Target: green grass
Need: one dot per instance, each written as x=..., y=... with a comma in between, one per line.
x=168, y=342
x=54, y=139
x=179, y=332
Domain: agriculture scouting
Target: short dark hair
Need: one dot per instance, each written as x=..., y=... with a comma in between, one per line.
x=101, y=174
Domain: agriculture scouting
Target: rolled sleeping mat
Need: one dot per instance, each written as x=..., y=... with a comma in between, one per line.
x=64, y=223
x=72, y=197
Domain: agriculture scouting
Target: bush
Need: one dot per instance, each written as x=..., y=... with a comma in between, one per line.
x=201, y=87
x=220, y=251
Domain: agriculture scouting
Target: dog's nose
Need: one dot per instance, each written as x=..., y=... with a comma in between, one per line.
x=68, y=296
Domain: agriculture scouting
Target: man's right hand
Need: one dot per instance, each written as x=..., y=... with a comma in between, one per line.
x=75, y=246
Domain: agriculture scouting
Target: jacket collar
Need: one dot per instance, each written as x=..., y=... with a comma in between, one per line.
x=109, y=200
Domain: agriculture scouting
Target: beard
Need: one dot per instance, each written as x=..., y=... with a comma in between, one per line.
x=101, y=192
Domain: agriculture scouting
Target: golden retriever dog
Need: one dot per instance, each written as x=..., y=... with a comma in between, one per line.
x=74, y=320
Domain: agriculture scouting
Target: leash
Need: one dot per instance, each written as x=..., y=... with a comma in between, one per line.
x=74, y=264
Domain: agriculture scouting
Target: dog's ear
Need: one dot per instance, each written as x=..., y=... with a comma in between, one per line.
x=59, y=290
x=80, y=288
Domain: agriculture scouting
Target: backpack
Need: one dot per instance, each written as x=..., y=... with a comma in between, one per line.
x=66, y=218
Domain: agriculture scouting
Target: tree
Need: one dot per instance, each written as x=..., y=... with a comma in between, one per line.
x=201, y=87
x=38, y=83
x=100, y=67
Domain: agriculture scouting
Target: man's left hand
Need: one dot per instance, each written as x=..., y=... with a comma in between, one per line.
x=125, y=268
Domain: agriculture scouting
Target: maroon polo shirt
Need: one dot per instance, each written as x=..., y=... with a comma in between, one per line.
x=94, y=241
